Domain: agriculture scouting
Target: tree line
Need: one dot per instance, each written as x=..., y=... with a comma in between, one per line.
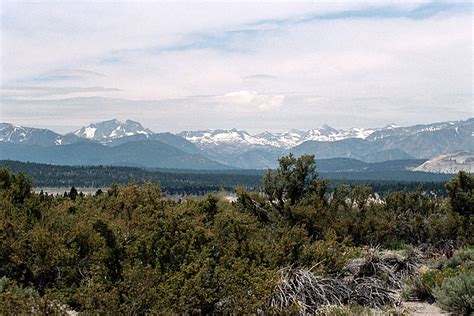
x=199, y=182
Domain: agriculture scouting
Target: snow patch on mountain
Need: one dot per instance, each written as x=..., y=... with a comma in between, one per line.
x=108, y=130
x=397, y=131
x=10, y=133
x=284, y=140
x=89, y=132
x=7, y=131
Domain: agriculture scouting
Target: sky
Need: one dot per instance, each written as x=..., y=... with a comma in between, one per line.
x=257, y=66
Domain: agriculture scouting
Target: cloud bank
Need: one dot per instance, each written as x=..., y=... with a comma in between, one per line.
x=248, y=65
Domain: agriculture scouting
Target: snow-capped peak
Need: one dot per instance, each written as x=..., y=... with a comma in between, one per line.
x=285, y=140
x=217, y=136
x=112, y=129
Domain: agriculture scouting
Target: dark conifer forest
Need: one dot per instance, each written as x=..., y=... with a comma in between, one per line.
x=201, y=182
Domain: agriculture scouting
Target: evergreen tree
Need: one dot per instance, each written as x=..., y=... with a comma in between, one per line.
x=73, y=193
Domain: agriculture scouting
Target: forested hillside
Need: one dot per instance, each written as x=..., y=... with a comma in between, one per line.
x=291, y=248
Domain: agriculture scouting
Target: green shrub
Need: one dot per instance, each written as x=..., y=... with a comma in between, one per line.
x=461, y=258
x=329, y=255
x=17, y=300
x=421, y=287
x=456, y=294
x=432, y=279
x=416, y=289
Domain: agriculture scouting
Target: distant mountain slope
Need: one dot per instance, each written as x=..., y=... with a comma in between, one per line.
x=149, y=153
x=426, y=141
x=398, y=131
x=10, y=133
x=176, y=141
x=256, y=158
x=386, y=155
x=449, y=163
x=421, y=142
x=167, y=138
x=155, y=154
x=346, y=148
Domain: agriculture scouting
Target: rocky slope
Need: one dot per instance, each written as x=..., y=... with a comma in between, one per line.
x=449, y=163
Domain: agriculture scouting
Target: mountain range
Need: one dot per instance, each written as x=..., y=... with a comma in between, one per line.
x=128, y=143
x=286, y=140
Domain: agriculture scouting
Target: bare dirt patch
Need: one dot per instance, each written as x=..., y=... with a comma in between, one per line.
x=422, y=308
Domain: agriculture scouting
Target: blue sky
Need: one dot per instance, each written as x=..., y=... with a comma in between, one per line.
x=252, y=65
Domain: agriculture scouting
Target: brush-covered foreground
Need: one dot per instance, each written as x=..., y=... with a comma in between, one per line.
x=292, y=248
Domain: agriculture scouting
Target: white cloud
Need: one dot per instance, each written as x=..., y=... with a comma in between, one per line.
x=250, y=101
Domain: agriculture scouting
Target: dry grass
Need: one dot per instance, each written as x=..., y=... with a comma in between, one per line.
x=302, y=289
x=371, y=282
x=441, y=248
x=391, y=269
x=372, y=292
